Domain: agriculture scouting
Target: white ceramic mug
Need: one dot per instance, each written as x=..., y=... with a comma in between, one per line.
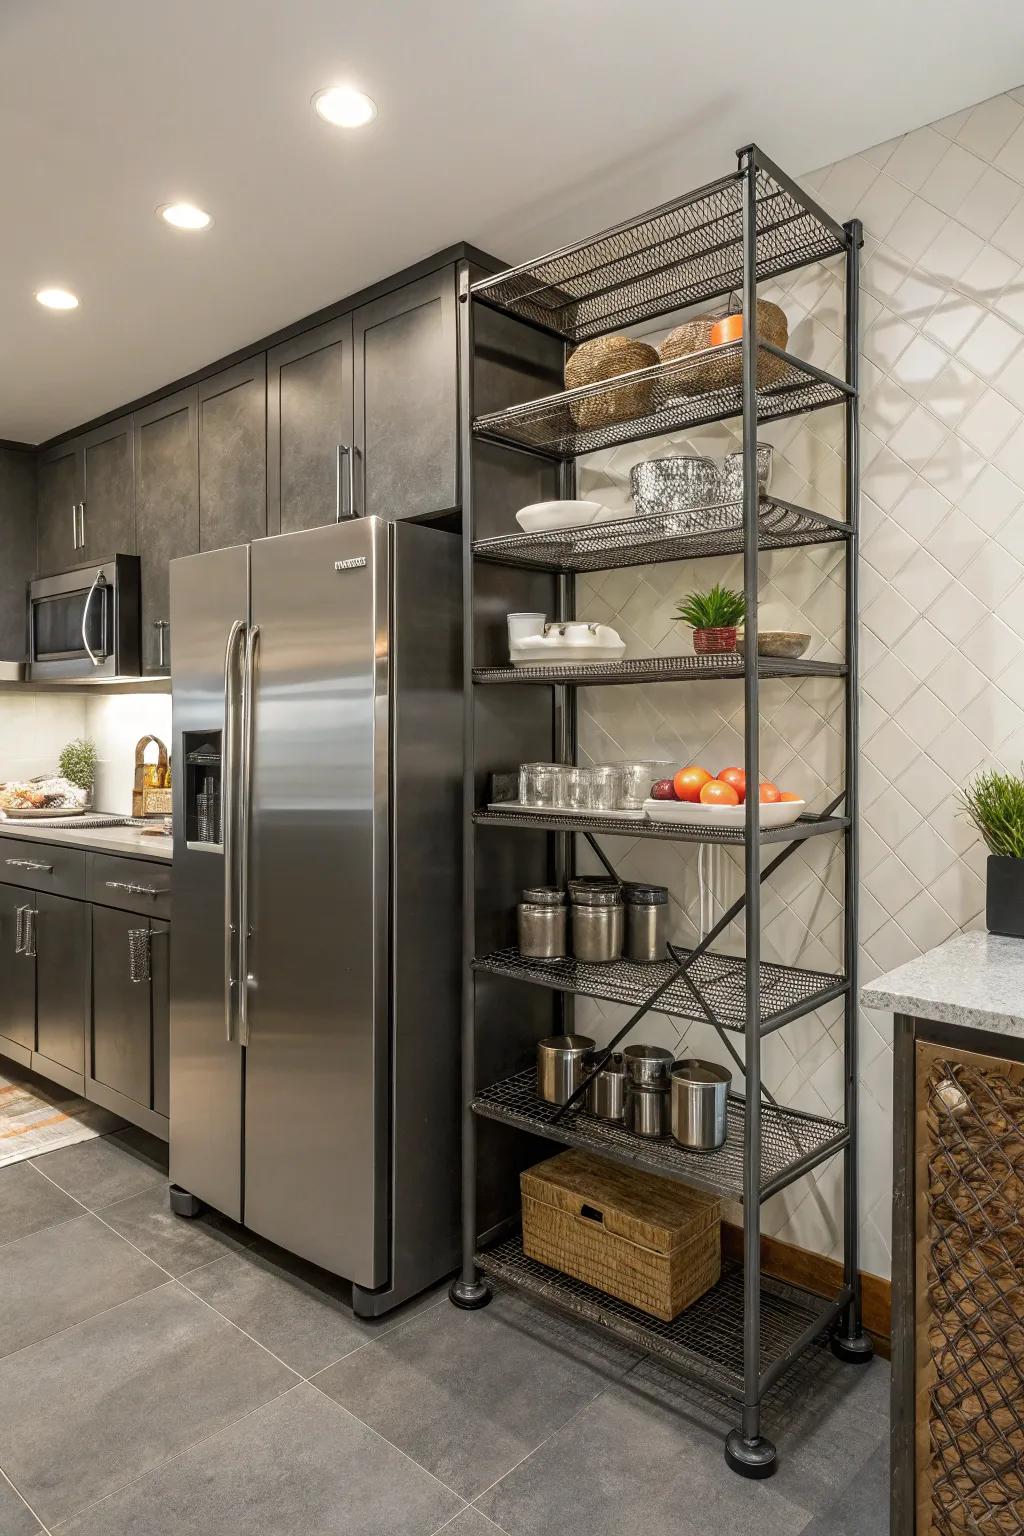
x=524, y=626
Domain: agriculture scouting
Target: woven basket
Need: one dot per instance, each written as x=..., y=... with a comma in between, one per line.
x=605, y=358
x=651, y=1242
x=714, y=642
x=725, y=372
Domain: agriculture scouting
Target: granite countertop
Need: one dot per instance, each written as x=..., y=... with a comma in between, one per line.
x=975, y=980
x=124, y=841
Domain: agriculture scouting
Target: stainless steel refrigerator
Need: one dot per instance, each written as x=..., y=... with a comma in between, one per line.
x=315, y=977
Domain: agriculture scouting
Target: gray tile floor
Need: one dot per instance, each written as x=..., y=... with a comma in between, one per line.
x=160, y=1377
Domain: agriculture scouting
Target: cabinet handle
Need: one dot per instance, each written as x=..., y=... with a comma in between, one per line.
x=131, y=888
x=74, y=525
x=25, y=932
x=344, y=504
x=29, y=864
x=81, y=525
x=161, y=626
x=139, y=955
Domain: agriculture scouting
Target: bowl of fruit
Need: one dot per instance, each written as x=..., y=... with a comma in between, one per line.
x=696, y=797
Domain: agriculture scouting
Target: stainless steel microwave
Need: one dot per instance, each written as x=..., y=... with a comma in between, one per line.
x=85, y=624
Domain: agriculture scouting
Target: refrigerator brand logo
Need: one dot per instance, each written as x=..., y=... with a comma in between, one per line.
x=350, y=565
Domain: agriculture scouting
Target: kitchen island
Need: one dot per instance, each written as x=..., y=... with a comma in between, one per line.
x=958, y=1235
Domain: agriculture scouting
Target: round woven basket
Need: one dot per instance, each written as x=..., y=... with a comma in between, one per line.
x=605, y=358
x=725, y=372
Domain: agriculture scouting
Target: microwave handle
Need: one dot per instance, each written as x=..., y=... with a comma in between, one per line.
x=98, y=581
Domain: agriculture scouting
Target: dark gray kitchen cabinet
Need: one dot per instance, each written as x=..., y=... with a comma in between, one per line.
x=17, y=977
x=122, y=1046
x=59, y=495
x=160, y=994
x=233, y=455
x=405, y=357
x=86, y=510
x=62, y=982
x=310, y=470
x=18, y=484
x=166, y=509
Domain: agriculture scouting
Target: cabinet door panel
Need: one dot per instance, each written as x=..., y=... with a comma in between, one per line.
x=309, y=422
x=60, y=490
x=233, y=455
x=406, y=399
x=108, y=491
x=18, y=501
x=62, y=979
x=121, y=1024
x=166, y=509
x=161, y=994
x=17, y=976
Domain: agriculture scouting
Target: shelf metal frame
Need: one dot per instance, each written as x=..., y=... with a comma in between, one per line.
x=729, y=240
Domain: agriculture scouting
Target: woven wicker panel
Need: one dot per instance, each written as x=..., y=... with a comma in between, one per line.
x=970, y=1284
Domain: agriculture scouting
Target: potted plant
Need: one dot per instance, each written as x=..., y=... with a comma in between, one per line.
x=77, y=764
x=995, y=803
x=714, y=615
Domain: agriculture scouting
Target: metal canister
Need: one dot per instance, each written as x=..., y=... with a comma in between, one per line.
x=647, y=1110
x=649, y=1066
x=541, y=918
x=598, y=921
x=700, y=1095
x=562, y=1062
x=646, y=921
x=606, y=1095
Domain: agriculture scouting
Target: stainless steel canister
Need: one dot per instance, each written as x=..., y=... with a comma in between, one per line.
x=562, y=1062
x=606, y=1095
x=649, y=1066
x=700, y=1092
x=541, y=918
x=646, y=921
x=647, y=1110
x=598, y=921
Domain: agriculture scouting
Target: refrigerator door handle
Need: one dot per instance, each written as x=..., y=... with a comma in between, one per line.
x=231, y=988
x=244, y=818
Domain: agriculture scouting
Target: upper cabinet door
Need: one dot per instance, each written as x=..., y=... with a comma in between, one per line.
x=406, y=399
x=166, y=509
x=309, y=428
x=233, y=455
x=106, y=524
x=60, y=492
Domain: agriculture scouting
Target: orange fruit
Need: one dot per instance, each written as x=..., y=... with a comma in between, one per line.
x=737, y=778
x=690, y=781
x=769, y=793
x=715, y=792
x=787, y=794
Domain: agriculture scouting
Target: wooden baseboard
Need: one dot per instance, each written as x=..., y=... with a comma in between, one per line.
x=820, y=1275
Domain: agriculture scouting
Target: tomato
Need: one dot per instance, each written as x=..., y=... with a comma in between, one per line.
x=715, y=792
x=769, y=793
x=737, y=778
x=787, y=794
x=690, y=781
x=663, y=790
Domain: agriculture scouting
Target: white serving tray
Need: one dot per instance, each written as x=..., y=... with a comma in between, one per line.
x=555, y=655
x=780, y=814
x=563, y=810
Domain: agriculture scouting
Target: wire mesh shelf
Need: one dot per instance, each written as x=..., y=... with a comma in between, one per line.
x=790, y=1142
x=678, y=832
x=666, y=397
x=655, y=669
x=720, y=981
x=660, y=536
x=684, y=252
x=704, y=1343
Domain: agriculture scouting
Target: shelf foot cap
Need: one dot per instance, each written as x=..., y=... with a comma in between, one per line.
x=750, y=1458
x=182, y=1203
x=856, y=1351
x=469, y=1295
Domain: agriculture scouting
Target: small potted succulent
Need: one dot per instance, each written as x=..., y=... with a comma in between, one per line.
x=995, y=803
x=77, y=764
x=714, y=616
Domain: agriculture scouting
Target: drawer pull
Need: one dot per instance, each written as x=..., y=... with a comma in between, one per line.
x=131, y=888
x=139, y=955
x=25, y=932
x=29, y=864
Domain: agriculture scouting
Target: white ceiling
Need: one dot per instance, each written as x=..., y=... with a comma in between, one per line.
x=516, y=126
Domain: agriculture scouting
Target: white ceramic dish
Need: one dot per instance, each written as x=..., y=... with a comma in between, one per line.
x=562, y=810
x=691, y=813
x=571, y=655
x=52, y=812
x=546, y=516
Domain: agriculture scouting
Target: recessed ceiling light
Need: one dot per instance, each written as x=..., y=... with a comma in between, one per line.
x=345, y=107
x=185, y=216
x=57, y=298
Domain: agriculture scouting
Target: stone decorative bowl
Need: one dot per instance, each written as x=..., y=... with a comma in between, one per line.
x=782, y=643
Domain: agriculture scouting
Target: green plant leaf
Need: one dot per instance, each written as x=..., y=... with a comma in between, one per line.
x=995, y=803
x=718, y=608
x=77, y=763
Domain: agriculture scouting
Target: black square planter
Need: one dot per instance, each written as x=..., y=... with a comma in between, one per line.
x=1004, y=897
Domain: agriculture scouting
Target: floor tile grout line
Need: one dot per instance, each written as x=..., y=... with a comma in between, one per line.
x=364, y=1343
x=238, y=1329
x=46, y=1338
x=25, y=1501
x=550, y=1436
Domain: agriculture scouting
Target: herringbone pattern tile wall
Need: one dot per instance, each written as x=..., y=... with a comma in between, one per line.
x=942, y=603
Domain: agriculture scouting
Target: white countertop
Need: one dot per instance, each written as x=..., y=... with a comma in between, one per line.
x=127, y=841
x=975, y=980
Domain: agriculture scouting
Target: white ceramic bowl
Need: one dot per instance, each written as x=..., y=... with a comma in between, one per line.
x=691, y=813
x=545, y=516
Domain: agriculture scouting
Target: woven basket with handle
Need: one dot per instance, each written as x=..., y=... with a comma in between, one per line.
x=725, y=372
x=605, y=358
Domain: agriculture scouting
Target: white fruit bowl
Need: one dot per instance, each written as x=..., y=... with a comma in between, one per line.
x=781, y=813
x=546, y=516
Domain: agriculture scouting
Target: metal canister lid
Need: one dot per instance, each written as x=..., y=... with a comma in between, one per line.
x=639, y=895
x=543, y=896
x=597, y=896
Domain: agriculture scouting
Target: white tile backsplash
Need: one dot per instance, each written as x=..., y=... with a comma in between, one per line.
x=34, y=728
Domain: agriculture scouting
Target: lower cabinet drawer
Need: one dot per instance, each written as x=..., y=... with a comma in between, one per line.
x=131, y=884
x=42, y=866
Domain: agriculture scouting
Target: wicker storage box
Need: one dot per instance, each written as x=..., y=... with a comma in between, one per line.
x=651, y=1242
x=605, y=358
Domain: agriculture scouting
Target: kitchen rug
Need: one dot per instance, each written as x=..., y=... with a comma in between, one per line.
x=35, y=1118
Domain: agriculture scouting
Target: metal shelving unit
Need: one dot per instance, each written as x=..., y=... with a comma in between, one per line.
x=743, y=228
